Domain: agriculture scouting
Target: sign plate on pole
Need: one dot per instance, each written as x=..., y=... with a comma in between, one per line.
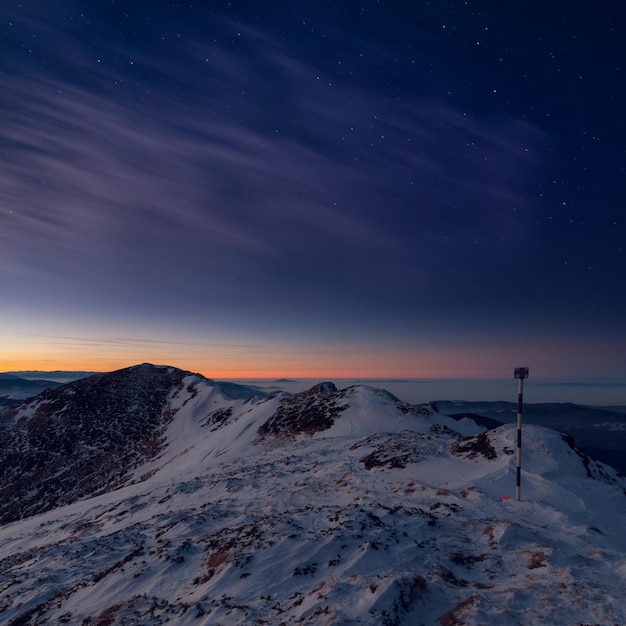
x=521, y=372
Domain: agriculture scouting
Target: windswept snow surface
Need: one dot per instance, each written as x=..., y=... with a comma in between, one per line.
x=328, y=507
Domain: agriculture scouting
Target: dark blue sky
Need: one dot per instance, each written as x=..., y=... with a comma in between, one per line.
x=393, y=188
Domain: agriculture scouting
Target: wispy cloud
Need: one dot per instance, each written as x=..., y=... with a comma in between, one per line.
x=198, y=175
x=113, y=173
x=139, y=342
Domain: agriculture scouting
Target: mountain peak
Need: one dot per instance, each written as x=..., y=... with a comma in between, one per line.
x=74, y=440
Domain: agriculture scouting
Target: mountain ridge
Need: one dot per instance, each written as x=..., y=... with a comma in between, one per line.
x=71, y=440
x=330, y=506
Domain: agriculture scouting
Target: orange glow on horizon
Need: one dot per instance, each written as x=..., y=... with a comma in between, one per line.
x=241, y=360
x=270, y=372
x=264, y=360
x=280, y=367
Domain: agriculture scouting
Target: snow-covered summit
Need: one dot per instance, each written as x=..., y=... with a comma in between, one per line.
x=220, y=505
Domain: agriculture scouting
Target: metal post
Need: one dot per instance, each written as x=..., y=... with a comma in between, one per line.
x=520, y=373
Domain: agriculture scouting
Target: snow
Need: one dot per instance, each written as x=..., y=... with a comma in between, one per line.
x=227, y=527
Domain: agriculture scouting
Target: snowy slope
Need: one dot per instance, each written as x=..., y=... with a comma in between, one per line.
x=327, y=507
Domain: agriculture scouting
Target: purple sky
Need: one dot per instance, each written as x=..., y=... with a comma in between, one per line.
x=394, y=187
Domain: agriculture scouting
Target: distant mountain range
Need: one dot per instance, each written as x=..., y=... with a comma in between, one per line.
x=17, y=386
x=58, y=376
x=13, y=388
x=153, y=495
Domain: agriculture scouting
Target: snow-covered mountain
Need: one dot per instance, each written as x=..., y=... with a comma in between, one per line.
x=153, y=495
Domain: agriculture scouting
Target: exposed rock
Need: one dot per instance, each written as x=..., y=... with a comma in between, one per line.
x=471, y=447
x=307, y=412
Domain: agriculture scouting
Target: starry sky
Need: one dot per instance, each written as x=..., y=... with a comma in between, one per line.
x=373, y=188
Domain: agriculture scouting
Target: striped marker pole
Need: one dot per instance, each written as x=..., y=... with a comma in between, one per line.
x=520, y=374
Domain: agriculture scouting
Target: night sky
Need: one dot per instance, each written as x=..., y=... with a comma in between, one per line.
x=314, y=188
